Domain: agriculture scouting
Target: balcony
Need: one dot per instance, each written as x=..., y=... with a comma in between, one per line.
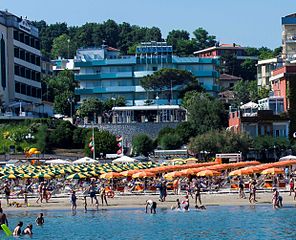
x=98, y=76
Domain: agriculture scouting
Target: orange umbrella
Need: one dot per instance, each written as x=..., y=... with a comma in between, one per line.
x=110, y=175
x=272, y=171
x=190, y=171
x=172, y=175
x=143, y=175
x=241, y=172
x=208, y=173
x=129, y=173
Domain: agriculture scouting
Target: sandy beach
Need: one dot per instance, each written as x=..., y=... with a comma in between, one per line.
x=138, y=201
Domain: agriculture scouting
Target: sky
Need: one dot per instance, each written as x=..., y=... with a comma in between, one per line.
x=253, y=23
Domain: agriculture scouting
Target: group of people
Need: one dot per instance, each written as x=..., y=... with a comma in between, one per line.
x=28, y=230
x=92, y=190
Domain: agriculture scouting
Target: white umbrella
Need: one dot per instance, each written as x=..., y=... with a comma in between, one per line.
x=289, y=157
x=57, y=161
x=85, y=160
x=124, y=159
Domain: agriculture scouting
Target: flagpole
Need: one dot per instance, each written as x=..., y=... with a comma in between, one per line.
x=93, y=139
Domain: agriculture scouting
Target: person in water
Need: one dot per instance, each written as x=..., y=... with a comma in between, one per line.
x=177, y=206
x=152, y=205
x=18, y=229
x=40, y=220
x=3, y=218
x=28, y=230
x=73, y=200
x=186, y=203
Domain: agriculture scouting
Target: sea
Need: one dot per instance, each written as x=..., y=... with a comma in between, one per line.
x=216, y=222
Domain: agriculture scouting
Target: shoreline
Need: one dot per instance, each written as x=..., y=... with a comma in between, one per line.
x=138, y=201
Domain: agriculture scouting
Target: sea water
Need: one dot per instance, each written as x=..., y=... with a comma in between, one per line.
x=217, y=222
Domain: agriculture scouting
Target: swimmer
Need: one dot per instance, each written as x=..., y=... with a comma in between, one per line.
x=152, y=206
x=28, y=230
x=280, y=201
x=177, y=206
x=39, y=220
x=18, y=229
x=186, y=203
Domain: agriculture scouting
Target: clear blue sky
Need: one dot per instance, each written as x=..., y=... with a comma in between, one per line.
x=246, y=22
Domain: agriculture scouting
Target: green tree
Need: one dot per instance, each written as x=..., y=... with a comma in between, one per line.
x=248, y=69
x=142, y=144
x=63, y=47
x=170, y=141
x=166, y=79
x=205, y=113
x=89, y=107
x=203, y=39
x=113, y=102
x=62, y=135
x=42, y=138
x=105, y=143
x=79, y=137
x=185, y=131
x=62, y=103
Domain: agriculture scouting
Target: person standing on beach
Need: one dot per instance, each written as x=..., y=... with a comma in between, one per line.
x=7, y=193
x=197, y=194
x=241, y=188
x=3, y=218
x=85, y=204
x=152, y=205
x=92, y=193
x=275, y=198
x=40, y=191
x=103, y=195
x=291, y=183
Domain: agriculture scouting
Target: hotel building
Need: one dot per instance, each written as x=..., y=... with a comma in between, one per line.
x=20, y=62
x=105, y=74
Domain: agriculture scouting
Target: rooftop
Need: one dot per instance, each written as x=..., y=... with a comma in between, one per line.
x=221, y=47
x=228, y=77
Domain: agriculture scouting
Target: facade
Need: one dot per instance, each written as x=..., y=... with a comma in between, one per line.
x=264, y=69
x=289, y=37
x=280, y=79
x=225, y=50
x=61, y=64
x=105, y=74
x=20, y=63
x=261, y=119
x=227, y=81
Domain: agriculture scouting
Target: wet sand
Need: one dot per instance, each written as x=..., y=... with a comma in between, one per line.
x=138, y=201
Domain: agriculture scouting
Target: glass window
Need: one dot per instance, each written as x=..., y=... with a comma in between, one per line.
x=27, y=41
x=22, y=54
x=22, y=37
x=22, y=71
x=16, y=52
x=16, y=35
x=17, y=87
x=16, y=70
x=23, y=89
x=28, y=73
x=29, y=90
x=34, y=92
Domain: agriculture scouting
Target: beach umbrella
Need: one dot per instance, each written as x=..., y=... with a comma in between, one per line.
x=24, y=175
x=42, y=175
x=10, y=176
x=76, y=176
x=129, y=173
x=111, y=175
x=143, y=174
x=208, y=173
x=289, y=157
x=241, y=172
x=191, y=171
x=272, y=171
x=173, y=175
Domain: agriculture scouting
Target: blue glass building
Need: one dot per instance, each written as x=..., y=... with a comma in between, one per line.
x=105, y=74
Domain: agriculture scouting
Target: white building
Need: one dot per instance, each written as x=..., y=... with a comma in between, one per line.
x=20, y=58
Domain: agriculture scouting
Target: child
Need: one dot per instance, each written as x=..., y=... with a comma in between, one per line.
x=40, y=220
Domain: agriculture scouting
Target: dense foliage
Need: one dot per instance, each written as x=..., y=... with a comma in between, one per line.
x=142, y=144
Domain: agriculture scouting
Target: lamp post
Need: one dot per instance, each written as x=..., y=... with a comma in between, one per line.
x=157, y=111
x=68, y=41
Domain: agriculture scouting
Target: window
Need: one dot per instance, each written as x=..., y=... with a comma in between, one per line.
x=22, y=54
x=22, y=37
x=23, y=88
x=154, y=68
x=22, y=71
x=37, y=44
x=16, y=52
x=32, y=42
x=28, y=57
x=33, y=76
x=17, y=87
x=16, y=70
x=28, y=73
x=29, y=90
x=16, y=35
x=34, y=92
x=27, y=41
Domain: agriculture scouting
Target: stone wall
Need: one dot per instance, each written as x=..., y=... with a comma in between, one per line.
x=128, y=130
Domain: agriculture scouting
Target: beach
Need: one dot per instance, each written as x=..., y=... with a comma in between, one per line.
x=138, y=201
